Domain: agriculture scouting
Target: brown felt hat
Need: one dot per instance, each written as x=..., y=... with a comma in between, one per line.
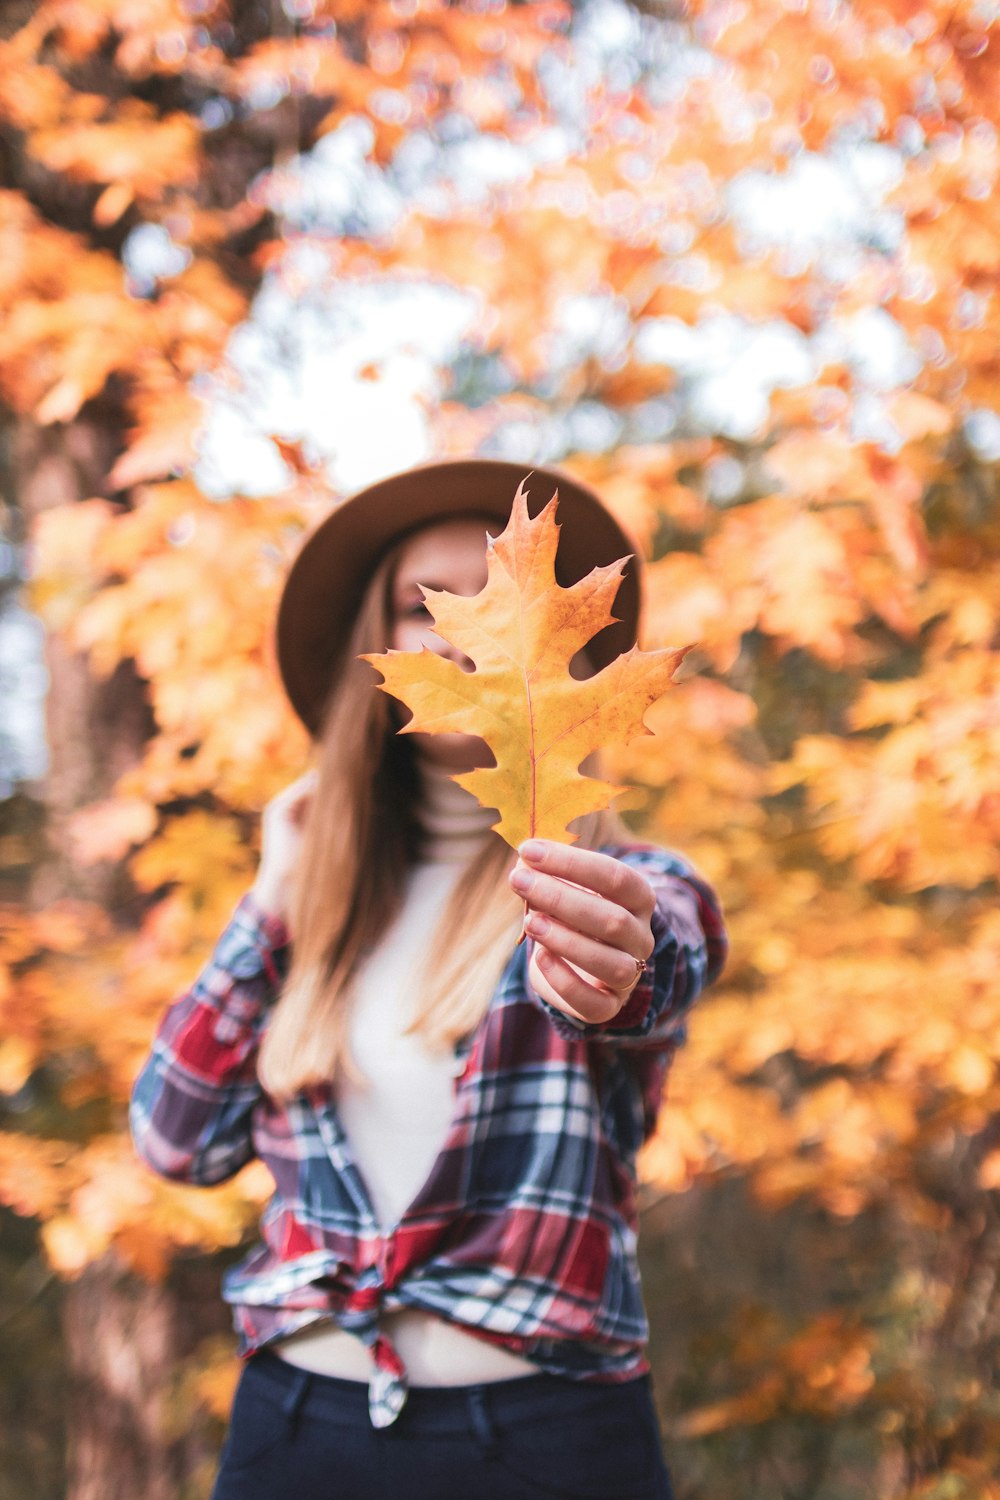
x=327, y=580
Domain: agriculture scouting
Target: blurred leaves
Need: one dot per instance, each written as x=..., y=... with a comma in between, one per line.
x=831, y=759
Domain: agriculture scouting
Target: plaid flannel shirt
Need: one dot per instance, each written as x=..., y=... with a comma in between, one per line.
x=524, y=1232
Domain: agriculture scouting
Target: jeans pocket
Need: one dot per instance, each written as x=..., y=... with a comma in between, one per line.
x=257, y=1425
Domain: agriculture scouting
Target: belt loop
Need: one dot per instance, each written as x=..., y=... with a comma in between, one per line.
x=482, y=1422
x=296, y=1393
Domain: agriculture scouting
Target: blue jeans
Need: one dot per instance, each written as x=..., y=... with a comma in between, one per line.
x=297, y=1436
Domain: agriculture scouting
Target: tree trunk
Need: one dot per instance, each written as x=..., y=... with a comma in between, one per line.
x=124, y=1338
x=95, y=728
x=131, y=1431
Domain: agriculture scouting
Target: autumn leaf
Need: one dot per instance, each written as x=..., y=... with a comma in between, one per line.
x=521, y=633
x=108, y=829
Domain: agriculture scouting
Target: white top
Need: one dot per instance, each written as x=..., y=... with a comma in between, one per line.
x=398, y=1118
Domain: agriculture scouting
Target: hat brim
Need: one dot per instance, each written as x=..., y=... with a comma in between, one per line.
x=327, y=580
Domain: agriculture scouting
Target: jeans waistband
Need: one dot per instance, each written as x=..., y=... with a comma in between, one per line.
x=437, y=1409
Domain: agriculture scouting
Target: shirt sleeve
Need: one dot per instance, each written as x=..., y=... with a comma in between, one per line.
x=690, y=948
x=192, y=1104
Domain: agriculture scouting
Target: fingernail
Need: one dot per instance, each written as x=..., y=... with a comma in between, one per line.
x=537, y=925
x=521, y=879
x=531, y=849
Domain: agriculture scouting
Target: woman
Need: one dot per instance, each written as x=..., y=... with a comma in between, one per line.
x=446, y=1302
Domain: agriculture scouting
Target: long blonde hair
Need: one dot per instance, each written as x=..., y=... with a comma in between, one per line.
x=360, y=839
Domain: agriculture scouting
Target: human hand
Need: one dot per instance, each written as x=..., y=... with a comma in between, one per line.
x=590, y=917
x=281, y=841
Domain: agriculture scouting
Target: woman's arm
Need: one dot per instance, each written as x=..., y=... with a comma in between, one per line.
x=192, y=1104
x=623, y=941
x=193, y=1100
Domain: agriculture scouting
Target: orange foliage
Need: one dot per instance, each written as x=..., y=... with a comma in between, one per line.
x=831, y=758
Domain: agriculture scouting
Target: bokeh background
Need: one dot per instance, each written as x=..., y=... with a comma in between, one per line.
x=733, y=261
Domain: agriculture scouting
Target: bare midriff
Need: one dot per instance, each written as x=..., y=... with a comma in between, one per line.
x=434, y=1352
